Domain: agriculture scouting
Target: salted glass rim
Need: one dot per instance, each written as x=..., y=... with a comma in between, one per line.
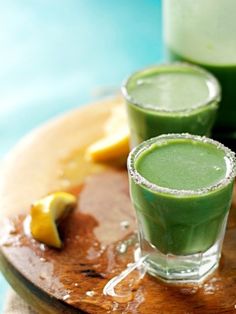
x=213, y=85
x=140, y=180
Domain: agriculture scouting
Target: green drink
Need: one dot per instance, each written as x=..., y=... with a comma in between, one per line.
x=181, y=188
x=172, y=98
x=203, y=33
x=225, y=123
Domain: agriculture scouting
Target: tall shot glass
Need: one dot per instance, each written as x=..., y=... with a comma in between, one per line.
x=170, y=98
x=181, y=230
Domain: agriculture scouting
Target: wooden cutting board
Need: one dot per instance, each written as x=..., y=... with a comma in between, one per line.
x=98, y=236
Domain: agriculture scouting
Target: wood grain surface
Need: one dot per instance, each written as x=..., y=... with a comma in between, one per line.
x=71, y=280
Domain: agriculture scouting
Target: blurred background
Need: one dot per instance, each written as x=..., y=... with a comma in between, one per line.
x=60, y=54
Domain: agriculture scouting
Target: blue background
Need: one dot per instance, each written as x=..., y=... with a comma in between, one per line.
x=56, y=55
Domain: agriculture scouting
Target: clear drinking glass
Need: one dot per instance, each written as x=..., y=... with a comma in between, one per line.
x=170, y=98
x=181, y=231
x=203, y=32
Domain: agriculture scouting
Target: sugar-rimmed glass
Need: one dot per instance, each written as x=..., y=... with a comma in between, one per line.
x=147, y=119
x=195, y=217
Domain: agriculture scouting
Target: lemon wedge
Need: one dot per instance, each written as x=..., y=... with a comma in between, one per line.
x=46, y=212
x=115, y=142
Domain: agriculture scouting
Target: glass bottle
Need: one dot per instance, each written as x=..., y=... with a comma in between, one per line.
x=204, y=32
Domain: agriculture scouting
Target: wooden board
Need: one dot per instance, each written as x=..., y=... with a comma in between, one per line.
x=97, y=242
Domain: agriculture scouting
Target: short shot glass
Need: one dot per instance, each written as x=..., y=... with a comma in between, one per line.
x=171, y=98
x=181, y=188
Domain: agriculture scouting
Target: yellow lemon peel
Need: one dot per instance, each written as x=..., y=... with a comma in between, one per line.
x=45, y=214
x=115, y=142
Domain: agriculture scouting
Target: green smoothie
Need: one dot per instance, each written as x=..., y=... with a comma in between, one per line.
x=225, y=123
x=203, y=33
x=172, y=98
x=182, y=164
x=181, y=187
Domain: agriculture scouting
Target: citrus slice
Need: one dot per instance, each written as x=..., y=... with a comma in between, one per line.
x=45, y=214
x=115, y=142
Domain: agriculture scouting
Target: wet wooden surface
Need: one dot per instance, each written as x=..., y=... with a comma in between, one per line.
x=98, y=237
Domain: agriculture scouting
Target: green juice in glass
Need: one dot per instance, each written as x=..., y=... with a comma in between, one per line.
x=181, y=188
x=172, y=98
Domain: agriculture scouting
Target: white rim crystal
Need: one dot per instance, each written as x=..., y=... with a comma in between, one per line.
x=212, y=84
x=140, y=180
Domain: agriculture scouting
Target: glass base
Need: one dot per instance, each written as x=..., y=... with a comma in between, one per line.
x=180, y=269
